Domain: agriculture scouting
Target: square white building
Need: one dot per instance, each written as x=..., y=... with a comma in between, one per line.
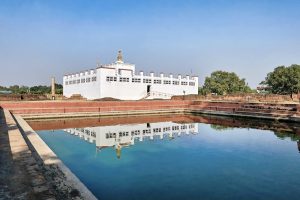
x=120, y=81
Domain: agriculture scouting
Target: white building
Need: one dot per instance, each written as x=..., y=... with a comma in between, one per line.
x=119, y=136
x=119, y=80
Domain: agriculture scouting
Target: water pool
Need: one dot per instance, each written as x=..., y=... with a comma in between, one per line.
x=180, y=159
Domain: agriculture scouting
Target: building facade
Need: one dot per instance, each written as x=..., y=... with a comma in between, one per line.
x=120, y=81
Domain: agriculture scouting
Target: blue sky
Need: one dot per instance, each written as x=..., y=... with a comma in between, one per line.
x=40, y=39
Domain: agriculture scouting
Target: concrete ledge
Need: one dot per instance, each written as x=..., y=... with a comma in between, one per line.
x=52, y=162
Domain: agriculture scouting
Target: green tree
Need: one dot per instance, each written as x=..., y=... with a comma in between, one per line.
x=41, y=89
x=284, y=80
x=58, y=88
x=201, y=91
x=221, y=83
x=3, y=88
x=23, y=89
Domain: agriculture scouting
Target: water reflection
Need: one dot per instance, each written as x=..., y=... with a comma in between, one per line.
x=179, y=156
x=119, y=136
x=109, y=131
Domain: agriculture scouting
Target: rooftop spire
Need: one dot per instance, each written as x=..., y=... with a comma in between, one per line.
x=120, y=57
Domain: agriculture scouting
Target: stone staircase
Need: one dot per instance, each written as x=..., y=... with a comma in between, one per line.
x=157, y=95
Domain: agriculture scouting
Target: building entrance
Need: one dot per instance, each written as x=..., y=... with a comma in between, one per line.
x=148, y=88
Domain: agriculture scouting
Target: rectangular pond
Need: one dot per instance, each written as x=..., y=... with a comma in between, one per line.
x=179, y=156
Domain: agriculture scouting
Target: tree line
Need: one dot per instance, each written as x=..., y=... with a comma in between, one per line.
x=282, y=80
x=39, y=89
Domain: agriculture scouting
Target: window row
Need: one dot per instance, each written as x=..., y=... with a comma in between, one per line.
x=147, y=131
x=136, y=80
x=111, y=78
x=122, y=79
x=147, y=81
x=83, y=80
x=81, y=74
x=155, y=81
x=87, y=132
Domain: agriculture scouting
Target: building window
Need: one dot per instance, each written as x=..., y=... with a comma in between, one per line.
x=146, y=80
x=192, y=83
x=183, y=83
x=111, y=78
x=88, y=80
x=78, y=81
x=136, y=80
x=83, y=80
x=146, y=131
x=110, y=135
x=175, y=82
x=136, y=132
x=156, y=81
x=166, y=129
x=66, y=83
x=87, y=132
x=175, y=128
x=122, y=134
x=94, y=78
x=93, y=133
x=74, y=81
x=167, y=82
x=122, y=79
x=191, y=126
x=156, y=130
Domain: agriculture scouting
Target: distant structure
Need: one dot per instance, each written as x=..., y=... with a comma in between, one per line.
x=5, y=92
x=263, y=89
x=120, y=81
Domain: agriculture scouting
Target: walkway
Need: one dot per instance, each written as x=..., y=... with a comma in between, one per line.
x=20, y=175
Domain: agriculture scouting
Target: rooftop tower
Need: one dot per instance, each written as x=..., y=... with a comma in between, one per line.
x=120, y=57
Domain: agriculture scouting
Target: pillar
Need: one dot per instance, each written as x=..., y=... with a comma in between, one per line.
x=53, y=88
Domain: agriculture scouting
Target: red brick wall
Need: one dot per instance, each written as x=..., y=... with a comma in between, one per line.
x=22, y=97
x=90, y=106
x=240, y=97
x=32, y=107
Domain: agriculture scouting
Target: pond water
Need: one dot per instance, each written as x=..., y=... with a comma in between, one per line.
x=180, y=159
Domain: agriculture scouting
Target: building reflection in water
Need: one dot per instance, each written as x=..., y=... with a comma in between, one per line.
x=119, y=136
